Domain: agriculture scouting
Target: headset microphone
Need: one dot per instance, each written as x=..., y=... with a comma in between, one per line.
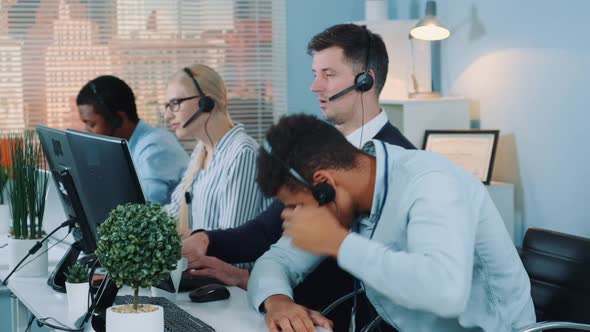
x=345, y=91
x=363, y=81
x=206, y=103
x=192, y=118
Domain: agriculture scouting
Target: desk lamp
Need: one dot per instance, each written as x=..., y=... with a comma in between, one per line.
x=429, y=29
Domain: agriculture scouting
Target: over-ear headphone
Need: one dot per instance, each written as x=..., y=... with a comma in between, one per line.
x=206, y=103
x=323, y=192
x=111, y=116
x=363, y=82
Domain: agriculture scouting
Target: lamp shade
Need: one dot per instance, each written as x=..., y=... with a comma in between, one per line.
x=429, y=28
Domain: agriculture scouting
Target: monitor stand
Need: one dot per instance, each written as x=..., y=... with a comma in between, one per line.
x=57, y=279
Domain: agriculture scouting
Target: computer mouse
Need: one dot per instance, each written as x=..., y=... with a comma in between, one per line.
x=209, y=293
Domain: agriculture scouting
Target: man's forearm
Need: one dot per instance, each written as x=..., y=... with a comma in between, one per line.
x=249, y=241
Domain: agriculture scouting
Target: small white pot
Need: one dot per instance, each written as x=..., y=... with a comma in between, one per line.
x=5, y=219
x=17, y=249
x=144, y=321
x=77, y=298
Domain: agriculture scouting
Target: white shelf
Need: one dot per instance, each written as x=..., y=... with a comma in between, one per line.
x=414, y=116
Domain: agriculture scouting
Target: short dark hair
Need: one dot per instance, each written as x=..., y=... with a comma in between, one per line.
x=353, y=40
x=110, y=94
x=306, y=144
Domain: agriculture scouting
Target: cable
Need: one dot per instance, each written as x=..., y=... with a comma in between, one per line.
x=207, y=132
x=30, y=323
x=92, y=301
x=36, y=248
x=62, y=327
x=362, y=122
x=46, y=250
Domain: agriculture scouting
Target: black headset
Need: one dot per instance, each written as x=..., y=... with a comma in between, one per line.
x=206, y=103
x=111, y=116
x=323, y=192
x=363, y=82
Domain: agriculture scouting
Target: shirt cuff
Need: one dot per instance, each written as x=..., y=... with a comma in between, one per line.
x=198, y=231
x=265, y=289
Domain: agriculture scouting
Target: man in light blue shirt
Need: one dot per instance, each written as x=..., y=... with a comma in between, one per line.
x=420, y=234
x=106, y=105
x=159, y=160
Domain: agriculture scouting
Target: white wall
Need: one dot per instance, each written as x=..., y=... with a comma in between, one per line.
x=526, y=66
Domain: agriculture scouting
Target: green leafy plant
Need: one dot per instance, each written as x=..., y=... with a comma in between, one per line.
x=27, y=187
x=4, y=171
x=138, y=245
x=77, y=274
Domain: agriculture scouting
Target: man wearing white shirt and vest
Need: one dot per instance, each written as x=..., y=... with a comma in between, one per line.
x=420, y=234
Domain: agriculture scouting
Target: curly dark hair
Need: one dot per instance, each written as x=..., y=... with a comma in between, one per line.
x=306, y=144
x=112, y=95
x=354, y=40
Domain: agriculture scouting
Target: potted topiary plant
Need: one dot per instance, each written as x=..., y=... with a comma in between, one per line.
x=27, y=190
x=77, y=289
x=138, y=246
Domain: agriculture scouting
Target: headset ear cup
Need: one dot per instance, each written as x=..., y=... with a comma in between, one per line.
x=117, y=122
x=206, y=104
x=324, y=193
x=364, y=82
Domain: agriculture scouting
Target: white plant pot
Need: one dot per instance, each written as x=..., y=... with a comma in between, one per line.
x=77, y=298
x=144, y=321
x=35, y=265
x=5, y=219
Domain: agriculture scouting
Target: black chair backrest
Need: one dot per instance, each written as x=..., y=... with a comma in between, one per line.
x=559, y=268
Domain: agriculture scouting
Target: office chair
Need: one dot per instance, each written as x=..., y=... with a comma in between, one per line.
x=373, y=325
x=559, y=268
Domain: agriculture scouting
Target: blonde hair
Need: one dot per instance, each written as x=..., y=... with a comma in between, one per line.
x=213, y=86
x=210, y=83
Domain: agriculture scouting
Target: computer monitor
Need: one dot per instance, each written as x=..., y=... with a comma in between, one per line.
x=94, y=174
x=66, y=180
x=106, y=175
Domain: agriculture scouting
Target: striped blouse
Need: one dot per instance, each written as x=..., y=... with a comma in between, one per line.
x=225, y=194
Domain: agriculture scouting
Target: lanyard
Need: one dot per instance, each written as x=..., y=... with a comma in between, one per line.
x=377, y=216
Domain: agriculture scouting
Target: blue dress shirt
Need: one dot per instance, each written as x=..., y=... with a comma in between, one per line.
x=433, y=255
x=159, y=161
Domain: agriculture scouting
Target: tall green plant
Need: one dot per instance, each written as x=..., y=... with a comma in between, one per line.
x=138, y=245
x=27, y=187
x=4, y=169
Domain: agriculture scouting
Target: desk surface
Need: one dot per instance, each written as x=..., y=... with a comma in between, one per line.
x=42, y=301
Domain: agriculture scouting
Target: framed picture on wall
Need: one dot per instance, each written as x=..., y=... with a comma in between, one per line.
x=474, y=150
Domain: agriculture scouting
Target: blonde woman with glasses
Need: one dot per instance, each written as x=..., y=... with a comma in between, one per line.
x=218, y=189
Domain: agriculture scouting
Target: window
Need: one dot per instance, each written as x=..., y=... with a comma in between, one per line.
x=50, y=49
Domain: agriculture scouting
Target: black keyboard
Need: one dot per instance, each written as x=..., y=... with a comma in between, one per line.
x=175, y=319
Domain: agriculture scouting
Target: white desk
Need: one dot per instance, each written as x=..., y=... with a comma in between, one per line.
x=33, y=295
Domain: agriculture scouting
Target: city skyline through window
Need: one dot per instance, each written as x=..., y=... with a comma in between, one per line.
x=50, y=48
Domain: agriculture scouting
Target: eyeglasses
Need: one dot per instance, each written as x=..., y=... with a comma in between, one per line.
x=174, y=104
